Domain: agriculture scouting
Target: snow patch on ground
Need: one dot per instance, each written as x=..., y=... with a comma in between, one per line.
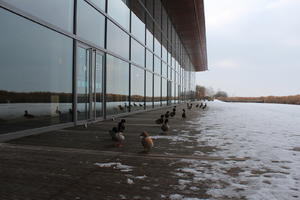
x=116, y=165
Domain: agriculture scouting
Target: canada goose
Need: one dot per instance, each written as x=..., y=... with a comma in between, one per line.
x=183, y=114
x=27, y=115
x=146, y=141
x=121, y=107
x=165, y=126
x=204, y=106
x=121, y=125
x=167, y=114
x=160, y=120
x=117, y=136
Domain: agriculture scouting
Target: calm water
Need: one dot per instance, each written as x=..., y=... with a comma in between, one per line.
x=266, y=136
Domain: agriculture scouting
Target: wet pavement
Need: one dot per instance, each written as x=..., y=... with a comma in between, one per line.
x=201, y=157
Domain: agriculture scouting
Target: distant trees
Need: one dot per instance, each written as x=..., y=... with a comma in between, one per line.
x=220, y=94
x=208, y=93
x=269, y=99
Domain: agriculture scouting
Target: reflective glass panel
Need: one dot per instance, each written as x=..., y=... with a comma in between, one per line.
x=35, y=75
x=117, y=40
x=90, y=24
x=118, y=10
x=149, y=89
x=149, y=38
x=137, y=88
x=164, y=69
x=157, y=89
x=99, y=83
x=164, y=91
x=149, y=60
x=157, y=47
x=157, y=65
x=57, y=12
x=137, y=28
x=99, y=3
x=137, y=53
x=117, y=86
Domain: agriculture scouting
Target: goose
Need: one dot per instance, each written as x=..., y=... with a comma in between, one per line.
x=201, y=105
x=165, y=126
x=204, y=106
x=121, y=107
x=57, y=111
x=183, y=114
x=117, y=136
x=172, y=114
x=146, y=141
x=160, y=120
x=27, y=115
x=197, y=105
x=167, y=114
x=121, y=125
x=135, y=105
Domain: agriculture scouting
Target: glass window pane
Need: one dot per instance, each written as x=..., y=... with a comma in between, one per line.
x=118, y=10
x=117, y=40
x=117, y=86
x=99, y=83
x=137, y=28
x=149, y=89
x=164, y=69
x=99, y=3
x=157, y=65
x=149, y=60
x=157, y=90
x=157, y=47
x=137, y=53
x=149, y=41
x=35, y=75
x=90, y=25
x=164, y=91
x=137, y=88
x=57, y=12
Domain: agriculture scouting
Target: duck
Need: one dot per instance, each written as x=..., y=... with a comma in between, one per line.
x=27, y=115
x=183, y=114
x=160, y=120
x=197, y=105
x=167, y=114
x=121, y=125
x=172, y=114
x=121, y=107
x=201, y=105
x=146, y=141
x=165, y=126
x=117, y=136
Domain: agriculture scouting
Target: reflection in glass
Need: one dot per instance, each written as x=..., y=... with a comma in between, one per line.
x=149, y=89
x=149, y=39
x=157, y=91
x=157, y=65
x=43, y=9
x=137, y=28
x=164, y=69
x=117, y=86
x=149, y=60
x=137, y=88
x=157, y=47
x=35, y=75
x=118, y=10
x=99, y=3
x=98, y=84
x=164, y=96
x=117, y=40
x=90, y=23
x=137, y=53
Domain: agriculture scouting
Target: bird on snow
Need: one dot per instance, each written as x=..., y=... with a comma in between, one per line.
x=146, y=141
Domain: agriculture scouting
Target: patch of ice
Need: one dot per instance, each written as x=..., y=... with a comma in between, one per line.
x=123, y=197
x=140, y=177
x=175, y=197
x=116, y=165
x=130, y=181
x=172, y=138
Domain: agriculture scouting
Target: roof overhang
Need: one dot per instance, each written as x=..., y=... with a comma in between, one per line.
x=189, y=21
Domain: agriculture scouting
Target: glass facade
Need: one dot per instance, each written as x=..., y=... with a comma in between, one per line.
x=93, y=61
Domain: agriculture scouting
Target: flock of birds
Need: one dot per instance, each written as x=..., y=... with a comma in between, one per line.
x=117, y=133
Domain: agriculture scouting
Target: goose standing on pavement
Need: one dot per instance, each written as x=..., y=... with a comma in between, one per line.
x=165, y=126
x=121, y=125
x=117, y=136
x=160, y=120
x=183, y=114
x=167, y=114
x=205, y=105
x=27, y=115
x=146, y=141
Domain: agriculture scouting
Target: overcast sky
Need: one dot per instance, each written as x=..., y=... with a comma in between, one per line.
x=253, y=47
